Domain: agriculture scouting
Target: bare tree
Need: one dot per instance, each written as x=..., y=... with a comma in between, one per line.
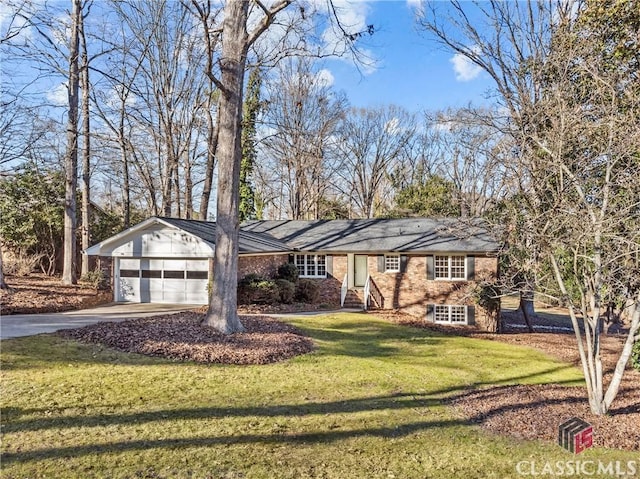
x=237, y=36
x=86, y=149
x=302, y=117
x=69, y=270
x=568, y=89
x=372, y=142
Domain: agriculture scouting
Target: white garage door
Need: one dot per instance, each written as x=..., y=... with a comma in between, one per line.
x=149, y=280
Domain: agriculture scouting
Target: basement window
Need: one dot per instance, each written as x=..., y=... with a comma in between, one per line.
x=447, y=313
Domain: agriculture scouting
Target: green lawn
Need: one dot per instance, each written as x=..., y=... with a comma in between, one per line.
x=366, y=404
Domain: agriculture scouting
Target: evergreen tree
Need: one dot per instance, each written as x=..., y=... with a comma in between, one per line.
x=251, y=109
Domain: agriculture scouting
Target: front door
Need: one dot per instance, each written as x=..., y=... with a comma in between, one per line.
x=359, y=270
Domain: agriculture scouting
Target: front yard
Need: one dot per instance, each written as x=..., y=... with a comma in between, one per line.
x=372, y=400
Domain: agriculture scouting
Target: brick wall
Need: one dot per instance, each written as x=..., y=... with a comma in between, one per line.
x=266, y=266
x=330, y=287
x=411, y=291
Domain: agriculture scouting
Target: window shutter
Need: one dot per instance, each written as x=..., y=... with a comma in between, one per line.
x=328, y=261
x=403, y=263
x=380, y=263
x=292, y=259
x=471, y=315
x=431, y=273
x=431, y=316
x=471, y=268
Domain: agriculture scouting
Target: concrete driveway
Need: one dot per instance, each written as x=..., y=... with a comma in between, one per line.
x=13, y=326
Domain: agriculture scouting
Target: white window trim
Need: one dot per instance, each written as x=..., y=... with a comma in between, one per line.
x=449, y=257
x=391, y=270
x=449, y=306
x=313, y=264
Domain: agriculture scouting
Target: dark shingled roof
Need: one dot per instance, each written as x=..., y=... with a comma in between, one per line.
x=379, y=235
x=249, y=242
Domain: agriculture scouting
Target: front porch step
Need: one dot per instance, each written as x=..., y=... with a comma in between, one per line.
x=354, y=299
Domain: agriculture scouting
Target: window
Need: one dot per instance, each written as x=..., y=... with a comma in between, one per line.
x=197, y=275
x=446, y=313
x=392, y=263
x=450, y=267
x=173, y=274
x=129, y=273
x=311, y=265
x=151, y=273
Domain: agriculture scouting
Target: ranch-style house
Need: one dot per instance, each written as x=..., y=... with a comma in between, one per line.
x=425, y=267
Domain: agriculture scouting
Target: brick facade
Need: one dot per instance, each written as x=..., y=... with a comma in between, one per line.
x=330, y=287
x=265, y=265
x=411, y=291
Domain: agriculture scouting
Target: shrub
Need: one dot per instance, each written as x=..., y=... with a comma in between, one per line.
x=21, y=264
x=307, y=291
x=254, y=289
x=96, y=279
x=286, y=290
x=251, y=279
x=635, y=355
x=288, y=271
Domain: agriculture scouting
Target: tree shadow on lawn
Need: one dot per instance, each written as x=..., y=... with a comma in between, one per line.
x=364, y=338
x=391, y=402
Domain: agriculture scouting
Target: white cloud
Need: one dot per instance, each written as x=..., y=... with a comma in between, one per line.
x=325, y=77
x=415, y=4
x=58, y=95
x=464, y=68
x=352, y=16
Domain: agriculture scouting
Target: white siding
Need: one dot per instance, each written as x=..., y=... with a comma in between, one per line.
x=162, y=242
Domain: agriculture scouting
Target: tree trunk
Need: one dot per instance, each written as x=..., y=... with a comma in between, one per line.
x=3, y=284
x=223, y=310
x=213, y=128
x=86, y=154
x=69, y=273
x=527, y=308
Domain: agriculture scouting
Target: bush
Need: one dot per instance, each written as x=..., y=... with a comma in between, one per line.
x=254, y=289
x=96, y=279
x=289, y=272
x=307, y=291
x=286, y=290
x=22, y=264
x=251, y=279
x=635, y=355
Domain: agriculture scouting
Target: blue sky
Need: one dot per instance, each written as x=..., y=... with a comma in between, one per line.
x=413, y=71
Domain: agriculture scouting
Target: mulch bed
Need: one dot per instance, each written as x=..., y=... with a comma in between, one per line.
x=182, y=338
x=39, y=293
x=536, y=411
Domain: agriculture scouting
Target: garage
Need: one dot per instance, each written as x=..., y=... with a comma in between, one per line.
x=167, y=260
x=149, y=280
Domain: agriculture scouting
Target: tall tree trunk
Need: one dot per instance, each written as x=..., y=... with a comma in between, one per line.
x=86, y=153
x=3, y=283
x=69, y=273
x=213, y=128
x=223, y=309
x=126, y=184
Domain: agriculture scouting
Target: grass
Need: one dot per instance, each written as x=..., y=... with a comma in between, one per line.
x=366, y=404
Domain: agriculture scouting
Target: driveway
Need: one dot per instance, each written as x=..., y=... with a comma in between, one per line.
x=13, y=326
